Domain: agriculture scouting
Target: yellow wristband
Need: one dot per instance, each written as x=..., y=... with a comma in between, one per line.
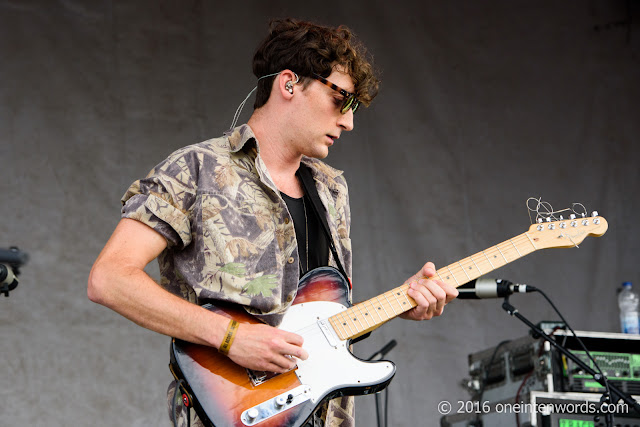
x=229, y=336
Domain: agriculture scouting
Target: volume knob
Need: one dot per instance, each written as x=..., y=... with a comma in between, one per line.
x=280, y=401
x=252, y=414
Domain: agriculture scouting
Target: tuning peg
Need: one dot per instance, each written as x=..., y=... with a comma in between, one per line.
x=594, y=213
x=561, y=217
x=583, y=214
x=572, y=216
x=539, y=220
x=548, y=219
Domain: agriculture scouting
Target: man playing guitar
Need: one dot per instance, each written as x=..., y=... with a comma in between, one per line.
x=229, y=219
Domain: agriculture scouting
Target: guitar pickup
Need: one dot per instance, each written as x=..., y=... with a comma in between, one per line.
x=328, y=332
x=278, y=404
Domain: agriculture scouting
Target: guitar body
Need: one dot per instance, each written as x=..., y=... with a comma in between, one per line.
x=229, y=395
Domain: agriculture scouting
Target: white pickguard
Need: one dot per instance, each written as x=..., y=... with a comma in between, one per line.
x=330, y=368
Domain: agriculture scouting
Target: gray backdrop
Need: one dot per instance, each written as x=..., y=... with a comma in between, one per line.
x=483, y=105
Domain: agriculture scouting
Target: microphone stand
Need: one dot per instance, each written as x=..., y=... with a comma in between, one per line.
x=382, y=418
x=378, y=355
x=616, y=392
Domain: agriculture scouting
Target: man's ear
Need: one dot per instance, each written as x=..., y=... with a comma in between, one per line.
x=286, y=83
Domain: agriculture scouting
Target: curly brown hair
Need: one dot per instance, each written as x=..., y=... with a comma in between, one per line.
x=307, y=48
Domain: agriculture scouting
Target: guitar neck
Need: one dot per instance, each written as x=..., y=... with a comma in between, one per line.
x=371, y=314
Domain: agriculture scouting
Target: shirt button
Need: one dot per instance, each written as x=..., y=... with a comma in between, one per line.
x=286, y=220
x=290, y=260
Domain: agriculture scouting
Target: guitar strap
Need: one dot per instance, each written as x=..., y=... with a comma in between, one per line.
x=310, y=189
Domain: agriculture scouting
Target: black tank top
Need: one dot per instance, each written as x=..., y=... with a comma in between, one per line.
x=307, y=224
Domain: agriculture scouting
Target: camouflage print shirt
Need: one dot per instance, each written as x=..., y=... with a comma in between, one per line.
x=229, y=233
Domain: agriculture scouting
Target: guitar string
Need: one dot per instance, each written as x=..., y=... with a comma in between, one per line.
x=521, y=242
x=544, y=209
x=457, y=268
x=477, y=260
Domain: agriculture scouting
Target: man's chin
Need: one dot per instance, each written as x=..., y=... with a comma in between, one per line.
x=319, y=154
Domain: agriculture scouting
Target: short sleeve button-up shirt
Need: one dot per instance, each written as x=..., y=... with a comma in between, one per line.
x=229, y=234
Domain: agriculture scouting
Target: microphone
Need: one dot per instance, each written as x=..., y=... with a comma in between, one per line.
x=13, y=256
x=378, y=355
x=485, y=287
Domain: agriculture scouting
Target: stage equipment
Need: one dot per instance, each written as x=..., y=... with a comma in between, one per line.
x=618, y=355
x=576, y=410
x=529, y=368
x=485, y=287
x=10, y=262
x=544, y=409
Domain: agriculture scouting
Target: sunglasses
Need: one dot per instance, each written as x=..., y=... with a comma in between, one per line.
x=349, y=102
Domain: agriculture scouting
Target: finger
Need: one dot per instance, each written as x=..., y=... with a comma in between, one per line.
x=284, y=363
x=275, y=367
x=292, y=338
x=439, y=294
x=425, y=271
x=295, y=351
x=417, y=296
x=424, y=298
x=428, y=270
x=293, y=345
x=420, y=310
x=451, y=291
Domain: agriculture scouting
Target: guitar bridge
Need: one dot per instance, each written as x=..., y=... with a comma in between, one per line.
x=258, y=377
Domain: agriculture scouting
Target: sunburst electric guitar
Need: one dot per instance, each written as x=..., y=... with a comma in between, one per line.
x=225, y=394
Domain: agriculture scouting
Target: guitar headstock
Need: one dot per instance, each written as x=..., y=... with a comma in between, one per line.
x=566, y=233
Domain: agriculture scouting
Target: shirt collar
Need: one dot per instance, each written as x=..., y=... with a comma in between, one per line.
x=241, y=135
x=320, y=168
